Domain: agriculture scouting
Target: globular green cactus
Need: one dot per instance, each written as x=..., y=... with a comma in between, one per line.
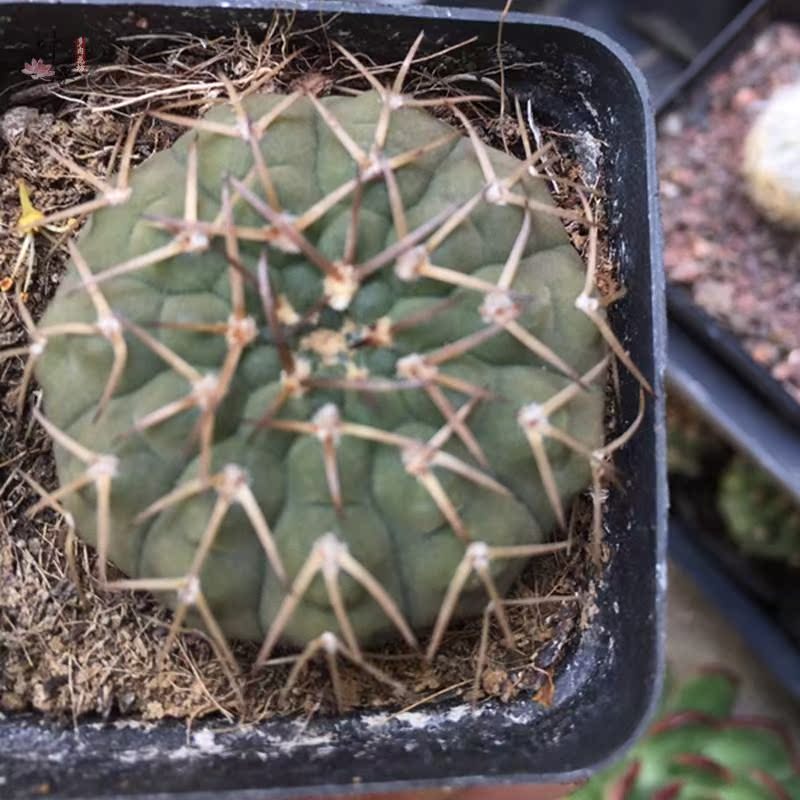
x=691, y=446
x=771, y=162
x=698, y=750
x=762, y=519
x=324, y=371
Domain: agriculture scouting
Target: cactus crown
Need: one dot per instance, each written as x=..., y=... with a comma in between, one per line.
x=325, y=371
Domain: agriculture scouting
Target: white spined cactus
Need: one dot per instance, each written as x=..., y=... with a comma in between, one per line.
x=772, y=158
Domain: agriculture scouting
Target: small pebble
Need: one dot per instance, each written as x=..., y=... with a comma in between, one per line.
x=672, y=124
x=702, y=248
x=744, y=98
x=764, y=353
x=670, y=189
x=687, y=271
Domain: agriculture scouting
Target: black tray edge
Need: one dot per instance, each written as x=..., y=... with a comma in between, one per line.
x=764, y=637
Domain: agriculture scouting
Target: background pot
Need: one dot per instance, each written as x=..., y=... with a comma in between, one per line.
x=720, y=573
x=580, y=83
x=709, y=367
x=711, y=371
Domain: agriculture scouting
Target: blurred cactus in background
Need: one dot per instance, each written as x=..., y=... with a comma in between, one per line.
x=772, y=158
x=691, y=445
x=760, y=516
x=698, y=750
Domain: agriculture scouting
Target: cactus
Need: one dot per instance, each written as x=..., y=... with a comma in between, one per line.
x=697, y=749
x=772, y=158
x=762, y=519
x=325, y=371
x=691, y=447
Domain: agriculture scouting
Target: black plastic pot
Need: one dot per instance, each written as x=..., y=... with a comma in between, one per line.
x=579, y=82
x=708, y=365
x=760, y=600
x=683, y=27
x=724, y=345
x=710, y=369
x=769, y=586
x=715, y=575
x=731, y=406
x=656, y=34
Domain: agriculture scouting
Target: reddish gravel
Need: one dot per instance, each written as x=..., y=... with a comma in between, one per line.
x=743, y=271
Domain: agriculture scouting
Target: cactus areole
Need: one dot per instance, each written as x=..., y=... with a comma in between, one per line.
x=329, y=367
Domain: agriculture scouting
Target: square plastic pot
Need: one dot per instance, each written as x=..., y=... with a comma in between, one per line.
x=579, y=83
x=708, y=366
x=710, y=369
x=720, y=577
x=689, y=94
